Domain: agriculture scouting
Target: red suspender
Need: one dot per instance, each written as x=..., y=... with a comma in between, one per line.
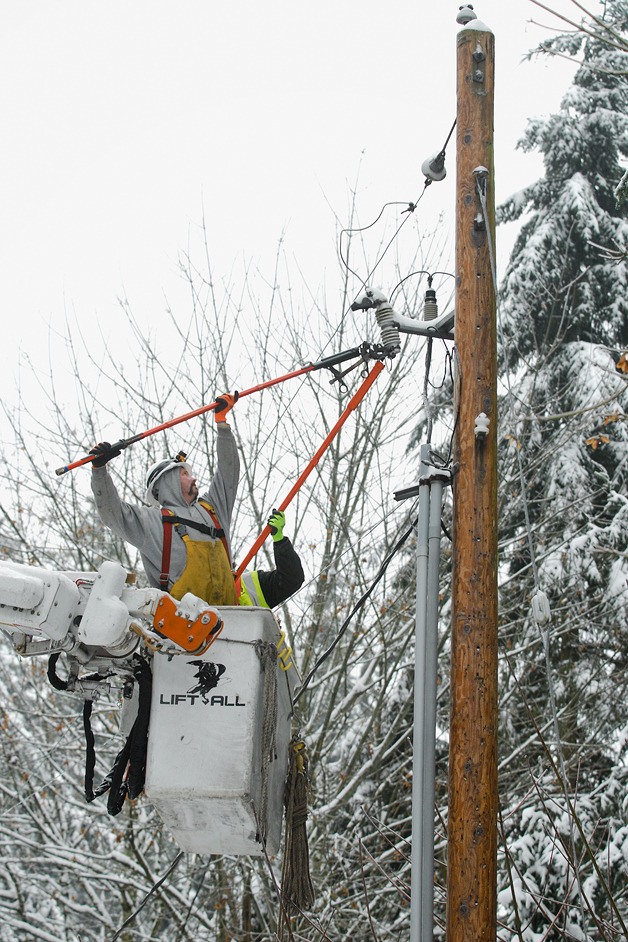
x=223, y=539
x=165, y=552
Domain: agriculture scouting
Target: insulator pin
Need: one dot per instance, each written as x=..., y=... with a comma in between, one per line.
x=430, y=305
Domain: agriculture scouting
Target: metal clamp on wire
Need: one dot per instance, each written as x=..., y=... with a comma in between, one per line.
x=363, y=355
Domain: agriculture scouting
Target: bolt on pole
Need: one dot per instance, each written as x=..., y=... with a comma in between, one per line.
x=472, y=815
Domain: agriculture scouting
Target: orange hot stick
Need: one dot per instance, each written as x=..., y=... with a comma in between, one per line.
x=125, y=442
x=355, y=401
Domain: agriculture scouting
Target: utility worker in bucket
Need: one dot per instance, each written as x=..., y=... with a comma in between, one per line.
x=268, y=589
x=183, y=538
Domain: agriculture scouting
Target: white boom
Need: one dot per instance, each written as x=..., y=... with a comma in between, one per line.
x=98, y=619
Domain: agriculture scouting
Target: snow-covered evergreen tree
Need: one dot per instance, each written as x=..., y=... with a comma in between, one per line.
x=563, y=331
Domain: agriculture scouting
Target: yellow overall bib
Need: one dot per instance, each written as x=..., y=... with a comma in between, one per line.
x=207, y=573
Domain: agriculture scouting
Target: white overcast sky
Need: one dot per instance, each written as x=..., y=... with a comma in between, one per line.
x=124, y=120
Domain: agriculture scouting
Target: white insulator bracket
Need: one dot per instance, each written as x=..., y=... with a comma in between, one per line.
x=433, y=168
x=465, y=14
x=482, y=425
x=541, y=608
x=388, y=330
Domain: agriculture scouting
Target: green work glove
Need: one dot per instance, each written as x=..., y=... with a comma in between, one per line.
x=277, y=522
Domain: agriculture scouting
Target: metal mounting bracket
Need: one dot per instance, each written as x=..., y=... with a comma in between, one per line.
x=442, y=327
x=428, y=472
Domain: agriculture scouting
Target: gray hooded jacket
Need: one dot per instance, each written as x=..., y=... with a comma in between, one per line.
x=143, y=527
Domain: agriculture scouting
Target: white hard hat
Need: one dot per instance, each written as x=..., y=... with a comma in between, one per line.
x=157, y=471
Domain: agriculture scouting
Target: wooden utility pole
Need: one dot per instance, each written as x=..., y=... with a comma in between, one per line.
x=472, y=827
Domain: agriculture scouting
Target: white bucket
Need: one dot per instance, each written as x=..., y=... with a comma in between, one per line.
x=204, y=764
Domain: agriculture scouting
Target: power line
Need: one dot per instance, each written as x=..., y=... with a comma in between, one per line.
x=147, y=897
x=358, y=605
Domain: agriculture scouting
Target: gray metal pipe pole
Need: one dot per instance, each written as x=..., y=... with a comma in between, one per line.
x=429, y=697
x=417, y=881
x=431, y=482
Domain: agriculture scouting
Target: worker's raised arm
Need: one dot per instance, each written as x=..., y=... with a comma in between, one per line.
x=223, y=489
x=125, y=520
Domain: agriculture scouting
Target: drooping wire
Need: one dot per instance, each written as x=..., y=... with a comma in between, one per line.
x=420, y=271
x=455, y=355
x=430, y=277
x=152, y=890
x=358, y=605
x=351, y=230
x=410, y=208
x=447, y=370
